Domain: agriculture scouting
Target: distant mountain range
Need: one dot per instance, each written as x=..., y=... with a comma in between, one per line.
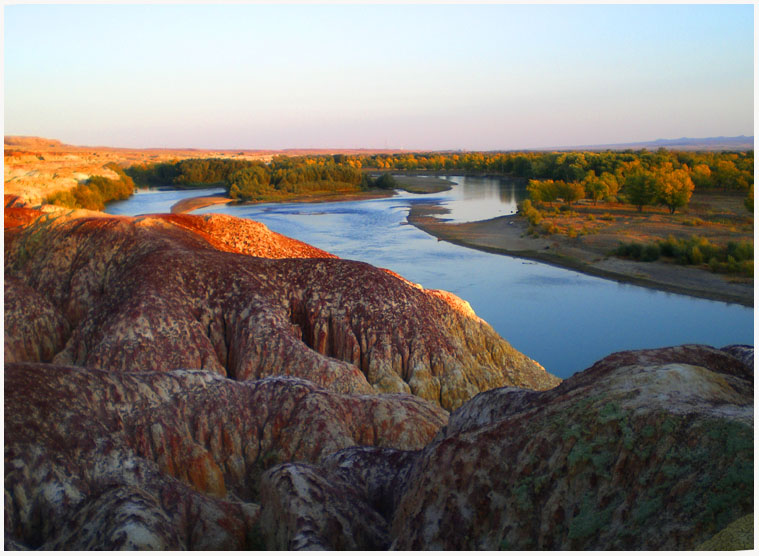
x=739, y=143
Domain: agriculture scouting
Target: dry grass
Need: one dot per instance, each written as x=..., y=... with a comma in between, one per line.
x=719, y=217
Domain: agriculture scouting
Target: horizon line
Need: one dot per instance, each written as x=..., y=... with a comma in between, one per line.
x=662, y=142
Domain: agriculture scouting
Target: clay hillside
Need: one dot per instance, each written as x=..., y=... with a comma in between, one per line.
x=36, y=167
x=200, y=382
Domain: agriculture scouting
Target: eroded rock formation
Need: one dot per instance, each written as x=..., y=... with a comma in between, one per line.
x=645, y=450
x=96, y=459
x=176, y=381
x=223, y=294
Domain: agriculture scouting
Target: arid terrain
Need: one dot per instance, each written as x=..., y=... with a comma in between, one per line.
x=35, y=167
x=584, y=238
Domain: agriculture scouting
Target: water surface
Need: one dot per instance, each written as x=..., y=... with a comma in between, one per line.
x=563, y=319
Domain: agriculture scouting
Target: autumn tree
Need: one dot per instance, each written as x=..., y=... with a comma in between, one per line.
x=701, y=175
x=544, y=191
x=726, y=175
x=570, y=191
x=611, y=183
x=675, y=187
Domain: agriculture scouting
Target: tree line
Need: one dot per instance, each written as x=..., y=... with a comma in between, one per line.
x=247, y=180
x=638, y=177
x=708, y=170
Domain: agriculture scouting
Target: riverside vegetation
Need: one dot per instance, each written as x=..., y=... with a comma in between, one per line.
x=572, y=194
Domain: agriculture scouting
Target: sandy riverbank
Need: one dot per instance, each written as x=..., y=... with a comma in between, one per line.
x=507, y=235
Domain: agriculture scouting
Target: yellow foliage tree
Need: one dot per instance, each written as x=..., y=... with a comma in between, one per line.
x=675, y=187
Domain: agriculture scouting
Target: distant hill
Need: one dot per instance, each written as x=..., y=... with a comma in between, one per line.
x=739, y=143
x=31, y=142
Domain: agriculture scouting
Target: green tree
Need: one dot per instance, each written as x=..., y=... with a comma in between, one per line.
x=249, y=183
x=641, y=188
x=595, y=188
x=385, y=181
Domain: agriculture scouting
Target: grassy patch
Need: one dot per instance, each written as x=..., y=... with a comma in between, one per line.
x=735, y=257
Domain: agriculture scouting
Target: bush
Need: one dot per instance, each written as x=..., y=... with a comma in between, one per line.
x=385, y=181
x=630, y=250
x=651, y=252
x=741, y=250
x=735, y=257
x=532, y=214
x=61, y=199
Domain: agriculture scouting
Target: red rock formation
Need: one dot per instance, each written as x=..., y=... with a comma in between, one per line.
x=113, y=446
x=34, y=329
x=95, y=459
x=645, y=450
x=176, y=291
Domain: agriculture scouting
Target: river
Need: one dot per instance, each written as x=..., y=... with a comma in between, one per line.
x=563, y=319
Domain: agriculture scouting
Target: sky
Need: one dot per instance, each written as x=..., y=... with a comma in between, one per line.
x=420, y=77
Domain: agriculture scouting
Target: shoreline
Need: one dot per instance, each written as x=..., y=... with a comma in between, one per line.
x=506, y=235
x=415, y=185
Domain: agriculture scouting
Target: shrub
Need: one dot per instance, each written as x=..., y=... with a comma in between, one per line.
x=61, y=199
x=695, y=256
x=88, y=198
x=741, y=250
x=651, y=252
x=532, y=214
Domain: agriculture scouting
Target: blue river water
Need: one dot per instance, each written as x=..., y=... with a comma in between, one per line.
x=563, y=319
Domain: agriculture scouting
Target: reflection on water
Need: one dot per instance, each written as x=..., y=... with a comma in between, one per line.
x=479, y=198
x=563, y=319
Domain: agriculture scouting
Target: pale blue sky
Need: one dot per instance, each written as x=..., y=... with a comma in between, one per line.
x=399, y=76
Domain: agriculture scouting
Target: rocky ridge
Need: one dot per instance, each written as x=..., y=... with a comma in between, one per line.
x=167, y=292
x=97, y=459
x=645, y=450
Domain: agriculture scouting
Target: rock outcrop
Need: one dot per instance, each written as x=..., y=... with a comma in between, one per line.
x=218, y=293
x=168, y=460
x=186, y=382
x=648, y=450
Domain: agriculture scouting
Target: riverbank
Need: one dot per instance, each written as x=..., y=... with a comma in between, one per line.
x=508, y=235
x=411, y=184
